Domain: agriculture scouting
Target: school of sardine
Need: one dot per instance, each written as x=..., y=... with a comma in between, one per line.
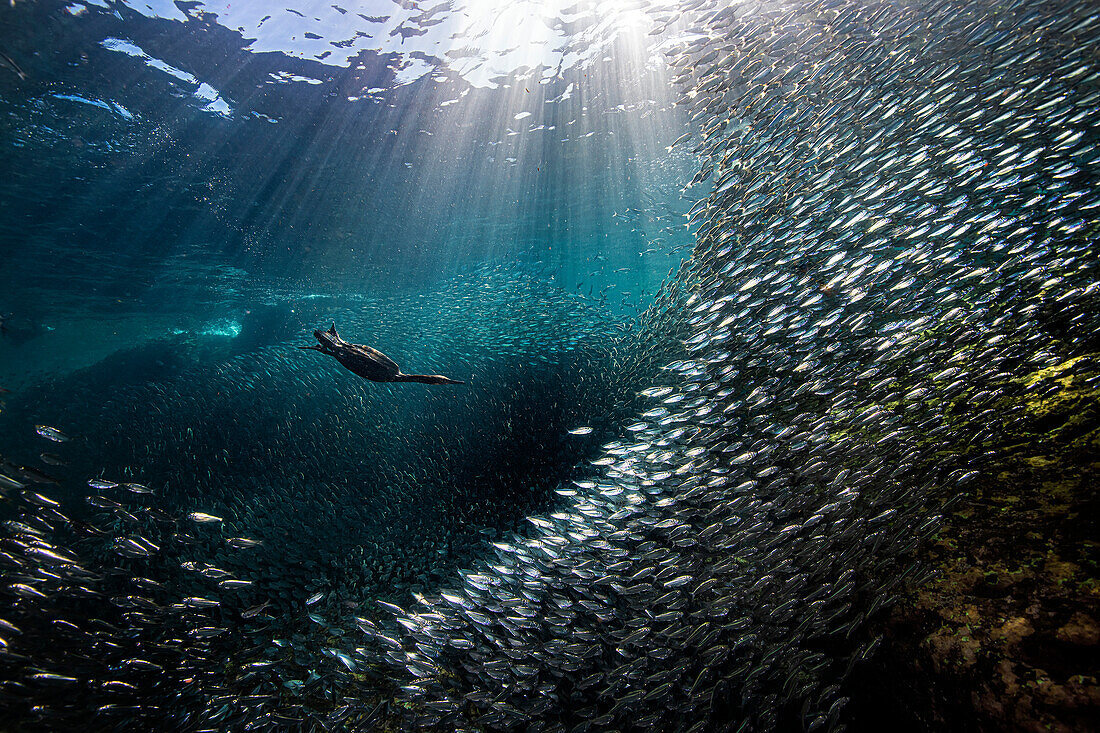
x=901, y=224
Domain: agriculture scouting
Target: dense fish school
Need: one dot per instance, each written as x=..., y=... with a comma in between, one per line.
x=901, y=221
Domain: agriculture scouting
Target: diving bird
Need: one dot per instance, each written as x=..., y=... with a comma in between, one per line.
x=369, y=363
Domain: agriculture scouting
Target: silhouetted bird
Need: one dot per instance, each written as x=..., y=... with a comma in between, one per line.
x=369, y=363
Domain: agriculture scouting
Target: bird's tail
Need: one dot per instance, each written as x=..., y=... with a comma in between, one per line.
x=426, y=379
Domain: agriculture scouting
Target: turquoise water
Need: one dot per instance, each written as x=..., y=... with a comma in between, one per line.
x=717, y=278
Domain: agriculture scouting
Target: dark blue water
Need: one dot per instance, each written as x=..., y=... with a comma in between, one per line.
x=738, y=294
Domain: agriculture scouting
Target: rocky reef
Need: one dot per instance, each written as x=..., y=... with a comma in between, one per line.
x=1006, y=637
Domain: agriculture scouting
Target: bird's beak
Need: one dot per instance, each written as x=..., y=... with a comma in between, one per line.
x=315, y=347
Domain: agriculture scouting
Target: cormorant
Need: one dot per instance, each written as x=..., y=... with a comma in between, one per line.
x=369, y=363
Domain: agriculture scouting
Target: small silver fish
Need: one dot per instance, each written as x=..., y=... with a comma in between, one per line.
x=51, y=433
x=254, y=610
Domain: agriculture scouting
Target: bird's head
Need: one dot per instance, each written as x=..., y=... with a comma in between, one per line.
x=326, y=340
